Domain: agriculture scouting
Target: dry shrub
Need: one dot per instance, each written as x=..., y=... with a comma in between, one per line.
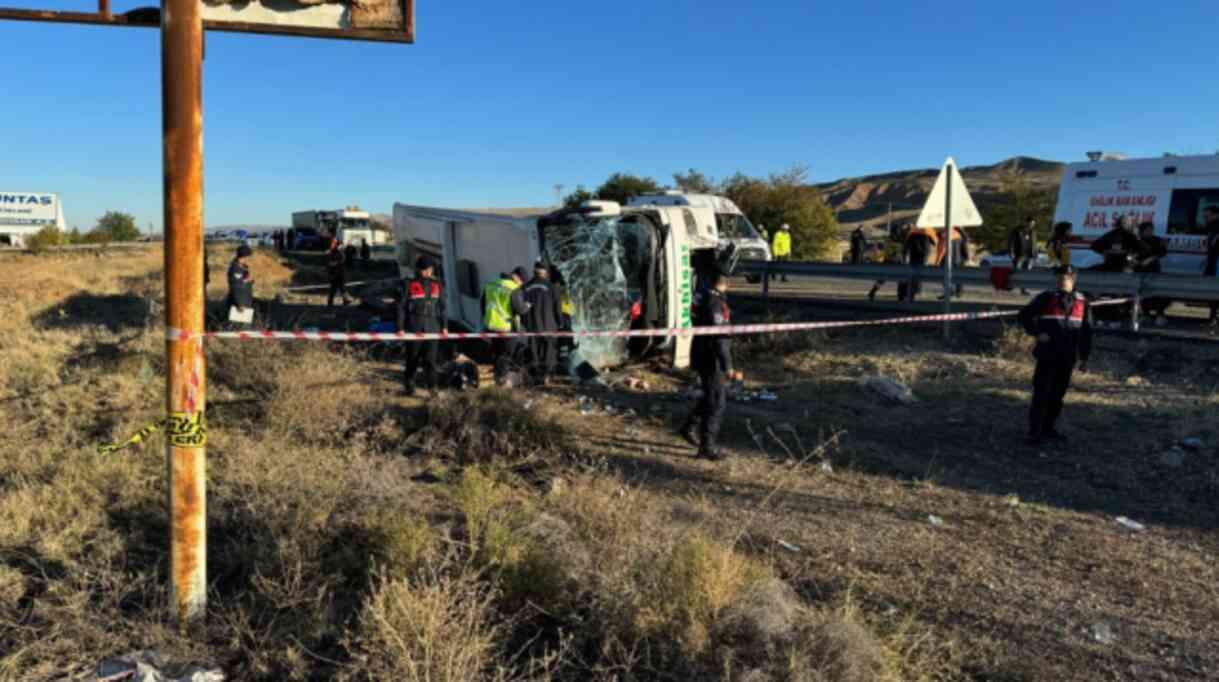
x=491, y=425
x=691, y=587
x=432, y=627
x=1013, y=343
x=303, y=393
x=531, y=556
x=839, y=649
x=763, y=615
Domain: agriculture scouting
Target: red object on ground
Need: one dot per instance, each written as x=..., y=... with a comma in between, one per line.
x=1001, y=278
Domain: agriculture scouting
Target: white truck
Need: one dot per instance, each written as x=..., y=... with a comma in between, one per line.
x=623, y=267
x=24, y=214
x=1170, y=192
x=348, y=225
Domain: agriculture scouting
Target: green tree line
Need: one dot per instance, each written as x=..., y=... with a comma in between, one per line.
x=113, y=226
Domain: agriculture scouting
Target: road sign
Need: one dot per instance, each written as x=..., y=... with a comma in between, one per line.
x=376, y=20
x=964, y=213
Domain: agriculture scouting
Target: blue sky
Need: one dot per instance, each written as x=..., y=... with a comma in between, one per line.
x=497, y=102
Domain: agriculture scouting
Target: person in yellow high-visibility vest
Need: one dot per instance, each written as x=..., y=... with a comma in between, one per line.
x=501, y=304
x=781, y=246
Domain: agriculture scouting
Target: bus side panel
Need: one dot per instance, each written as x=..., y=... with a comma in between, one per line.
x=680, y=290
x=494, y=247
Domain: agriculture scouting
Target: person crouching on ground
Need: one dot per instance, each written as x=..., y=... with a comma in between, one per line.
x=711, y=357
x=421, y=311
x=1061, y=321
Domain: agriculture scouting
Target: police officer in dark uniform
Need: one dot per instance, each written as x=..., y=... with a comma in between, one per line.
x=1061, y=321
x=545, y=315
x=859, y=243
x=421, y=310
x=241, y=284
x=336, y=268
x=711, y=357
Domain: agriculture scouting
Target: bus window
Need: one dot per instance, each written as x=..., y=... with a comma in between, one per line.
x=1185, y=213
x=691, y=223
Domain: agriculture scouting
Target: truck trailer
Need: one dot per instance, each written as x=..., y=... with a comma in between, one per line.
x=624, y=267
x=348, y=225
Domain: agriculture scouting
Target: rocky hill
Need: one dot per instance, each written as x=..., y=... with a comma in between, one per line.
x=868, y=199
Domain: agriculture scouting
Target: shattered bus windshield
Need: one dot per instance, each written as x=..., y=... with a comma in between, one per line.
x=602, y=263
x=734, y=226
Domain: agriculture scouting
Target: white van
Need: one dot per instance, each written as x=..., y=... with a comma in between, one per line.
x=732, y=225
x=1170, y=192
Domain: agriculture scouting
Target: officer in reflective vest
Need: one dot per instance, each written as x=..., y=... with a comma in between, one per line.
x=781, y=246
x=501, y=304
x=421, y=310
x=1061, y=321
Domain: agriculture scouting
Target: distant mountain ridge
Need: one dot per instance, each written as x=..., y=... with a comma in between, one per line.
x=867, y=199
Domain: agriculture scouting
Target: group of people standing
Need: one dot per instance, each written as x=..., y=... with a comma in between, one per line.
x=512, y=302
x=916, y=247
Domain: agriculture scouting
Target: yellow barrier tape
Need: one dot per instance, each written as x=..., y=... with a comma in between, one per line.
x=182, y=429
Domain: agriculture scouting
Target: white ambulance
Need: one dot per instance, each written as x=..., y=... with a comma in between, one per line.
x=1170, y=192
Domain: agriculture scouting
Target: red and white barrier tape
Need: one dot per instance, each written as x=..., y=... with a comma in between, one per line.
x=731, y=330
x=727, y=330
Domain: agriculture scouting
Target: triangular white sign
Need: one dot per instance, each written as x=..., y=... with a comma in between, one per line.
x=964, y=213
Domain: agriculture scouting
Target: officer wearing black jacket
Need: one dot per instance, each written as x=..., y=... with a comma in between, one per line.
x=1061, y=321
x=241, y=284
x=1152, y=250
x=711, y=357
x=336, y=268
x=1120, y=247
x=421, y=310
x=545, y=314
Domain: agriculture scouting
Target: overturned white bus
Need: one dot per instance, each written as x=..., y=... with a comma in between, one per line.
x=623, y=267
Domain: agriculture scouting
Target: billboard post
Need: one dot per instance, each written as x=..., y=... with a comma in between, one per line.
x=182, y=24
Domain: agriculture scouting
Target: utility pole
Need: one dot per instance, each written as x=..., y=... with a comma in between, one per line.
x=182, y=129
x=182, y=24
x=558, y=195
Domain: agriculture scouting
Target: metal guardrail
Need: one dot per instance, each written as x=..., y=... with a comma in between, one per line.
x=1141, y=285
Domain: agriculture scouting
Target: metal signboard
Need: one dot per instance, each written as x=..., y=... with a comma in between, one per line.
x=32, y=209
x=376, y=20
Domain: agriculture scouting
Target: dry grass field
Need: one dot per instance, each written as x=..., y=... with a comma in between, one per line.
x=355, y=534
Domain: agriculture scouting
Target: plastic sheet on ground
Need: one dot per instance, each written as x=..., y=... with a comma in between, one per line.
x=149, y=666
x=889, y=389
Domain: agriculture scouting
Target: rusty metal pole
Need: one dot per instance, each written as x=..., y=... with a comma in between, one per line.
x=182, y=128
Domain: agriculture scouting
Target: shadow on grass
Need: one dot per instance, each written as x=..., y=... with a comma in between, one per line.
x=115, y=312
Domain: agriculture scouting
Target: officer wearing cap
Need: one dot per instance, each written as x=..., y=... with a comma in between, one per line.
x=1061, y=321
x=421, y=311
